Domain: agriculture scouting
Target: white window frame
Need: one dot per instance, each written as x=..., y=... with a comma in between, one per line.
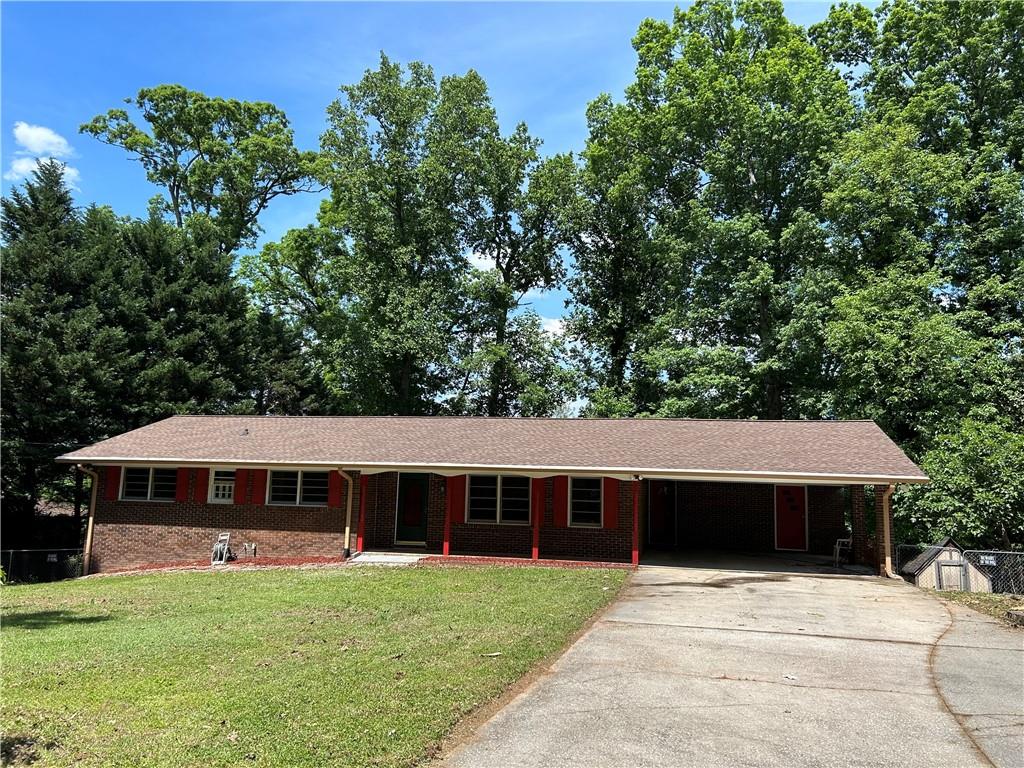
x=298, y=488
x=600, y=486
x=213, y=481
x=149, y=486
x=499, y=520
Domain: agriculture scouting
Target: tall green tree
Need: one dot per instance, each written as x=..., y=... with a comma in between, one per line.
x=953, y=73
x=222, y=158
x=50, y=338
x=514, y=229
x=401, y=153
x=727, y=133
x=617, y=277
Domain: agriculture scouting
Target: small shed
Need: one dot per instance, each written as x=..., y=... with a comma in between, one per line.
x=942, y=566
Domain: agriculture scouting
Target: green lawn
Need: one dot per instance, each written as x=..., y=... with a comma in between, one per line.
x=350, y=666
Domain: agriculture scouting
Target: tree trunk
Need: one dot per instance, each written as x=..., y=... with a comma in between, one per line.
x=500, y=365
x=405, y=386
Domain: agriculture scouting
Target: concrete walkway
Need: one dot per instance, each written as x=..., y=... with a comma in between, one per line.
x=711, y=667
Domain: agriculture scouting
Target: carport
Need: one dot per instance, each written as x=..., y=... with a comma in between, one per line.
x=689, y=520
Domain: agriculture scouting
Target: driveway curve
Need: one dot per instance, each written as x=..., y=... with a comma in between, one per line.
x=713, y=667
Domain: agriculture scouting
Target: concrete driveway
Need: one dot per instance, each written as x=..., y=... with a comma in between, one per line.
x=699, y=667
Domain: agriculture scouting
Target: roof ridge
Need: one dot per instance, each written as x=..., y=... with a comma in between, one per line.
x=637, y=419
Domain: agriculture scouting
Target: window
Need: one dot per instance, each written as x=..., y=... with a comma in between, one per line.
x=314, y=488
x=149, y=484
x=307, y=488
x=222, y=486
x=483, y=498
x=498, y=499
x=585, y=501
x=515, y=499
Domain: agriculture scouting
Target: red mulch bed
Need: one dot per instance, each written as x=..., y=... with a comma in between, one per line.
x=248, y=562
x=516, y=562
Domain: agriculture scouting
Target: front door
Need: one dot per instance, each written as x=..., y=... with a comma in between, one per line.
x=791, y=517
x=411, y=515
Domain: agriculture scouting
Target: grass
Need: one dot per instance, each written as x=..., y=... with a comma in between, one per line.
x=995, y=605
x=328, y=667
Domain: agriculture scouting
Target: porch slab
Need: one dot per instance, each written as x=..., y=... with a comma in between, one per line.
x=387, y=558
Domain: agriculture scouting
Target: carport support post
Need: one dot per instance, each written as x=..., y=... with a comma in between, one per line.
x=361, y=528
x=636, y=521
x=883, y=528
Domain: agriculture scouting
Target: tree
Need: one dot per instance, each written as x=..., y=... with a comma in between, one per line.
x=515, y=227
x=284, y=379
x=954, y=73
x=401, y=154
x=726, y=136
x=906, y=363
x=536, y=379
x=221, y=158
x=64, y=359
x=616, y=283
x=976, y=493
x=195, y=334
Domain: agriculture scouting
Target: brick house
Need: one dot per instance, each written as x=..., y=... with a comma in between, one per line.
x=594, y=489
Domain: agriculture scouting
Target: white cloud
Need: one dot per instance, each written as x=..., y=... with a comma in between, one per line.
x=40, y=140
x=553, y=325
x=22, y=168
x=479, y=261
x=36, y=144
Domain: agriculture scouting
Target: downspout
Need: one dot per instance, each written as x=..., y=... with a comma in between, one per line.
x=886, y=532
x=348, y=511
x=93, y=489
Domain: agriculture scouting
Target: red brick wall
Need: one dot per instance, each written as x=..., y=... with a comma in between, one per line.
x=494, y=538
x=612, y=545
x=131, y=533
x=741, y=516
x=712, y=515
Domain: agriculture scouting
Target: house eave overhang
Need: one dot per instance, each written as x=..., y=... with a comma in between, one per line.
x=622, y=473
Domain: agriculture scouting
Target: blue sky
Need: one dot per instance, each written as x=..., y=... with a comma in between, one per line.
x=63, y=63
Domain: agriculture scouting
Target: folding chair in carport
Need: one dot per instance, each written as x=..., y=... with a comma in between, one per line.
x=841, y=551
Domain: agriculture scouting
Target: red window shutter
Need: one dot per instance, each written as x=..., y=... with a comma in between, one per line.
x=611, y=503
x=201, y=489
x=113, y=484
x=259, y=486
x=181, y=488
x=537, y=500
x=457, y=496
x=334, y=489
x=561, y=492
x=241, y=485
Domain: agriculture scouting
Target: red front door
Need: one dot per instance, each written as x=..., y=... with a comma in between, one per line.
x=791, y=517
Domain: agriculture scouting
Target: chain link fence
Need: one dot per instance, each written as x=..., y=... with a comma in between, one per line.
x=973, y=570
x=995, y=570
x=33, y=565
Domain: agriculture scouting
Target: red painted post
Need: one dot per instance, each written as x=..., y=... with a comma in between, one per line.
x=636, y=522
x=446, y=549
x=361, y=529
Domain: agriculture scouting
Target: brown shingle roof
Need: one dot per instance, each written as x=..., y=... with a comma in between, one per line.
x=669, y=447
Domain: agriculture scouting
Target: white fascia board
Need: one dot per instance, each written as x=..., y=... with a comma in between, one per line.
x=622, y=473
